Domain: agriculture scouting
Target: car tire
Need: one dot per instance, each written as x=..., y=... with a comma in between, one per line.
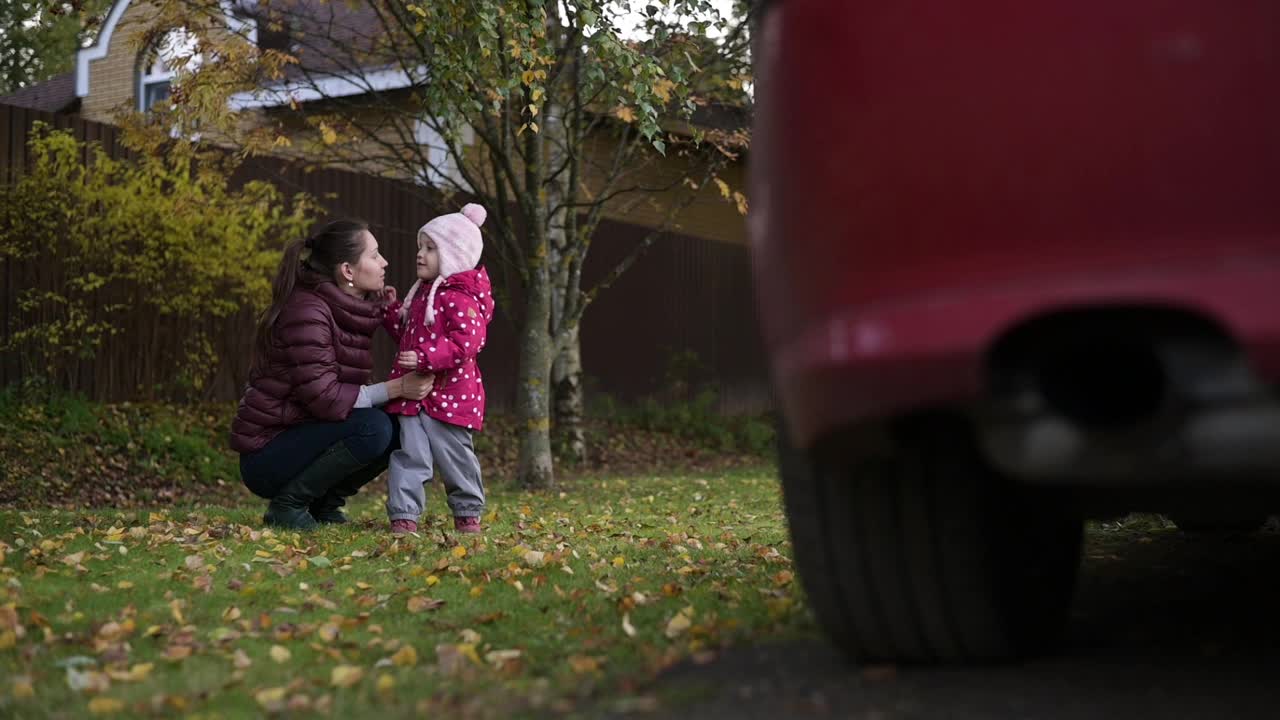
x=912, y=549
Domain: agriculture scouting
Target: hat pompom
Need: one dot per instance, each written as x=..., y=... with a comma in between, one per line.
x=475, y=213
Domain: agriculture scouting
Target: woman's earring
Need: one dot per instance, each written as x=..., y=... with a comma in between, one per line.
x=350, y=284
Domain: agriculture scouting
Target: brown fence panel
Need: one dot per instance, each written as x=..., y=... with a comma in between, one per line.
x=685, y=297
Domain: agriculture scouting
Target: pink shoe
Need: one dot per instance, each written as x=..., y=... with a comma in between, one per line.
x=466, y=524
x=403, y=527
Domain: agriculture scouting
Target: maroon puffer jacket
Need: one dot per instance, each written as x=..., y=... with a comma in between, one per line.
x=319, y=357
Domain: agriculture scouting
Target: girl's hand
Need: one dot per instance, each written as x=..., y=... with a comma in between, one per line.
x=407, y=360
x=389, y=294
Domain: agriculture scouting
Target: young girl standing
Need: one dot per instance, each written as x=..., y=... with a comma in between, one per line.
x=440, y=327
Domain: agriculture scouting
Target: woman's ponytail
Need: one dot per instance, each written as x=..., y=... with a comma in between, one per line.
x=281, y=289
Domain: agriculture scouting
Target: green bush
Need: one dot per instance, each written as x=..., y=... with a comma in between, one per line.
x=698, y=419
x=95, y=243
x=688, y=406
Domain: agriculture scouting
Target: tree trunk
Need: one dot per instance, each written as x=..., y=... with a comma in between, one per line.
x=534, y=401
x=566, y=368
x=534, y=467
x=566, y=381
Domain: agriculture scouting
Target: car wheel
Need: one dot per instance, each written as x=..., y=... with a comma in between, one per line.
x=912, y=549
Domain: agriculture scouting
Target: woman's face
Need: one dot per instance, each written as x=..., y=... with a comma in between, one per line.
x=366, y=275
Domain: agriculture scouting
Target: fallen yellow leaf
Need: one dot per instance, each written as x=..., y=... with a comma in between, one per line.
x=584, y=663
x=432, y=580
x=677, y=625
x=22, y=686
x=280, y=653
x=272, y=699
x=124, y=585
x=627, y=627
x=177, y=652
x=405, y=657
x=137, y=673
x=386, y=683
x=344, y=676
x=469, y=651
x=111, y=631
x=460, y=551
x=535, y=558
x=9, y=616
x=105, y=706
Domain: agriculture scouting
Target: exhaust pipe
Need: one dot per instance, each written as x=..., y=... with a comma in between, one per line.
x=1103, y=382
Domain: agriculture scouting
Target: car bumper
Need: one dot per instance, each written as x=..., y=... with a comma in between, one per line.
x=880, y=360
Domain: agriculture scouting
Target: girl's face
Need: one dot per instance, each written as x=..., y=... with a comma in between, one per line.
x=369, y=273
x=428, y=259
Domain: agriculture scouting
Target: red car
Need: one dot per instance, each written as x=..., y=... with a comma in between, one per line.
x=1017, y=264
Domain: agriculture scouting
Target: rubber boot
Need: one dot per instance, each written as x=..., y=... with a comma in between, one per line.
x=328, y=509
x=289, y=508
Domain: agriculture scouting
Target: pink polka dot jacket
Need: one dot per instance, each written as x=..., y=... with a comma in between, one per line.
x=447, y=348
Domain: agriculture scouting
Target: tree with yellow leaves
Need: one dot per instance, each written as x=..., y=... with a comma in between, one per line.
x=554, y=115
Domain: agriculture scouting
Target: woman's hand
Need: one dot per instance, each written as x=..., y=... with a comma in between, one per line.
x=407, y=360
x=415, y=386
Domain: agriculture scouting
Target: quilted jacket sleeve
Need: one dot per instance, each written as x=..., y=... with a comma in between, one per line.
x=391, y=320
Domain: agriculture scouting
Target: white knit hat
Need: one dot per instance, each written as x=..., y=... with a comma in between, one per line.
x=458, y=245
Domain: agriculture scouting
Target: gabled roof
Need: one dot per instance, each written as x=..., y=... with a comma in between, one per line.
x=55, y=95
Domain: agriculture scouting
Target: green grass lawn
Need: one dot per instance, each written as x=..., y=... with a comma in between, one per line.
x=570, y=602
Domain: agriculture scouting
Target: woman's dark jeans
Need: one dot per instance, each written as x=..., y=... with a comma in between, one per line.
x=368, y=433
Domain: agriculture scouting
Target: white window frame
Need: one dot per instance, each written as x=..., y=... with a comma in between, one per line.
x=158, y=72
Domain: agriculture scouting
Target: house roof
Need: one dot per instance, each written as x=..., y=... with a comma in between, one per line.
x=56, y=95
x=327, y=37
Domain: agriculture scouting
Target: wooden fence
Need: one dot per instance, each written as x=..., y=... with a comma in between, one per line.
x=686, y=297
